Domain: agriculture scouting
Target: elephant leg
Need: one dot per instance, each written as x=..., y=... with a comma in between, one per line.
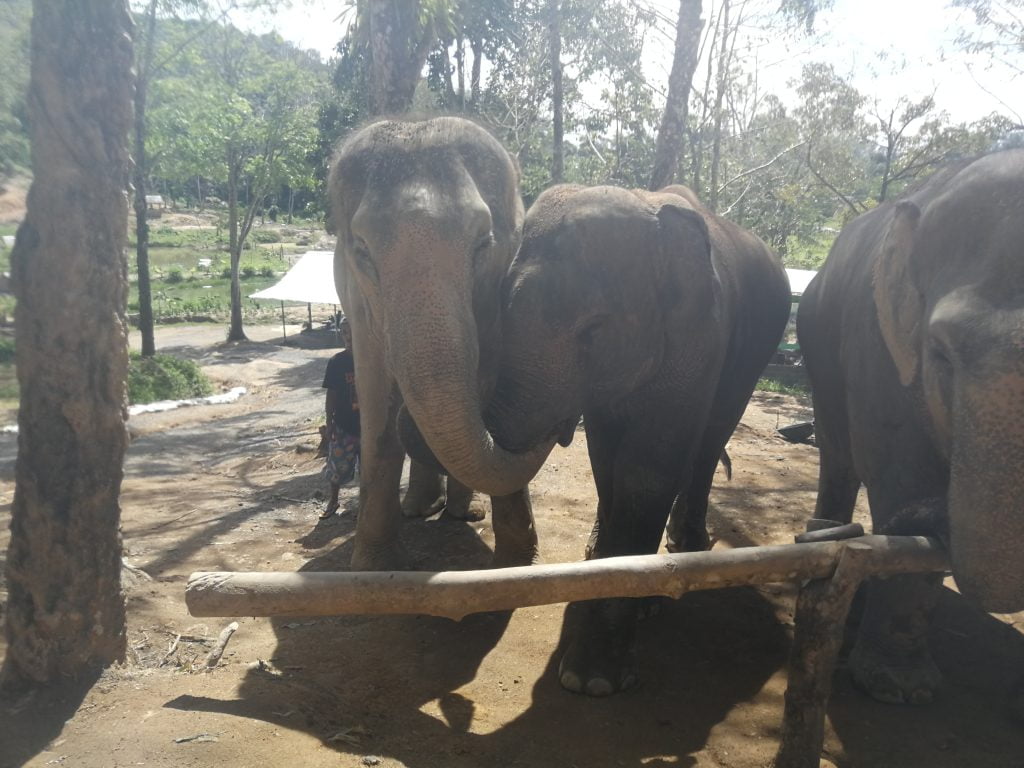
x=687, y=526
x=599, y=635
x=838, y=483
x=425, y=495
x=378, y=546
x=463, y=503
x=515, y=537
x=890, y=660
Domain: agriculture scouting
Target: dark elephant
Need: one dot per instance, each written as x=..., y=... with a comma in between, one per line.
x=653, y=318
x=428, y=218
x=913, y=338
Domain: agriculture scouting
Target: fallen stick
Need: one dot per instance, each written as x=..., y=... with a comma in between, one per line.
x=222, y=642
x=455, y=594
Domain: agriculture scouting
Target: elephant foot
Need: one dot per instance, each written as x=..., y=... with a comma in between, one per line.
x=511, y=557
x=687, y=540
x=470, y=509
x=601, y=657
x=895, y=679
x=389, y=557
x=422, y=506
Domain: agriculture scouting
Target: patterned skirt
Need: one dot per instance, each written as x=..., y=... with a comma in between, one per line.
x=342, y=457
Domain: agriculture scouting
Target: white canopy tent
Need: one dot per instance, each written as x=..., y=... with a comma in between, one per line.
x=799, y=279
x=310, y=280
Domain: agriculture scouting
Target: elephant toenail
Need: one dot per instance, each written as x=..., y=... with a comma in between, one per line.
x=598, y=686
x=571, y=682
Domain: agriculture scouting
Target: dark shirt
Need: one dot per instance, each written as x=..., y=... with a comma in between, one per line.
x=341, y=376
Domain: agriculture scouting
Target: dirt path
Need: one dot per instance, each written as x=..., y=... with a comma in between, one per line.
x=237, y=487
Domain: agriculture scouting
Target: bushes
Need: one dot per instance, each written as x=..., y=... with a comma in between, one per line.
x=6, y=350
x=163, y=377
x=264, y=236
x=174, y=276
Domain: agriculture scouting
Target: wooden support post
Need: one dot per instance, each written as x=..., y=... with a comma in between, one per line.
x=821, y=611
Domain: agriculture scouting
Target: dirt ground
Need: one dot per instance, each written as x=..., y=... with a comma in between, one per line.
x=236, y=487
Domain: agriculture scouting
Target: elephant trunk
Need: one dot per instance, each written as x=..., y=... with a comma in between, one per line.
x=986, y=494
x=436, y=366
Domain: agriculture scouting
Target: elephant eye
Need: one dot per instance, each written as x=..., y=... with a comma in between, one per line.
x=361, y=257
x=589, y=329
x=484, y=245
x=940, y=358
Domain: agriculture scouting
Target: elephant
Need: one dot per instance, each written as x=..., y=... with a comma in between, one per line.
x=653, y=318
x=912, y=335
x=428, y=217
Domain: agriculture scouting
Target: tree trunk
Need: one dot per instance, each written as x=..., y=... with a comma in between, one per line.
x=398, y=51
x=555, y=46
x=236, y=332
x=673, y=121
x=477, y=45
x=449, y=87
x=460, y=68
x=720, y=85
x=66, y=611
x=141, y=224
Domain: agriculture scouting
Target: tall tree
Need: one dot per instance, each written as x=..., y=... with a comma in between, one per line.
x=146, y=67
x=557, y=107
x=401, y=34
x=680, y=80
x=66, y=612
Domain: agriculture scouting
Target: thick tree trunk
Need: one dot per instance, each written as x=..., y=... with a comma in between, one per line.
x=65, y=612
x=555, y=47
x=398, y=51
x=139, y=178
x=673, y=121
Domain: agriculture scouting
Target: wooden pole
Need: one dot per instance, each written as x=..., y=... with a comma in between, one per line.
x=455, y=594
x=284, y=329
x=821, y=611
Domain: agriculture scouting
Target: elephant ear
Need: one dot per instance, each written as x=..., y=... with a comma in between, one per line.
x=897, y=298
x=686, y=251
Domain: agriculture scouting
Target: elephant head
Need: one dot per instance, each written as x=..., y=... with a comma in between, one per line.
x=428, y=218
x=949, y=291
x=587, y=304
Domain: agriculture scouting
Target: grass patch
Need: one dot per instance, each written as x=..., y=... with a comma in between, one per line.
x=768, y=384
x=163, y=377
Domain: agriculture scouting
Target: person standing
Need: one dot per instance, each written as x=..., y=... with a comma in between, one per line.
x=342, y=410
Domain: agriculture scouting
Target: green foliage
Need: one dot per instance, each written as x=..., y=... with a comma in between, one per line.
x=266, y=236
x=267, y=272
x=162, y=377
x=6, y=349
x=248, y=271
x=15, y=18
x=769, y=384
x=174, y=276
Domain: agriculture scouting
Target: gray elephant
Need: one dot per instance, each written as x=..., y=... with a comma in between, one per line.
x=428, y=218
x=913, y=338
x=653, y=318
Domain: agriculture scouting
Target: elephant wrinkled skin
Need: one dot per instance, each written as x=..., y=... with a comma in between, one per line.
x=913, y=338
x=653, y=318
x=428, y=218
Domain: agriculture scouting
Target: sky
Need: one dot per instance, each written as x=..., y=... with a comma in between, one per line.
x=889, y=47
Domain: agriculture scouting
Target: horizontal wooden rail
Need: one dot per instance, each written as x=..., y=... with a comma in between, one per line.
x=455, y=594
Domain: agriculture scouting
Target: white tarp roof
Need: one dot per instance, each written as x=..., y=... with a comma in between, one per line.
x=310, y=280
x=799, y=280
